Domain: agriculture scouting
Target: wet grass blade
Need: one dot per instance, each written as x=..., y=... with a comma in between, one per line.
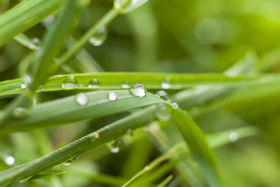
x=67, y=110
x=150, y=80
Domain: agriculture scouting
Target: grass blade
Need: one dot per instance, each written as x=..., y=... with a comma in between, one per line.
x=25, y=15
x=198, y=146
x=150, y=80
x=68, y=110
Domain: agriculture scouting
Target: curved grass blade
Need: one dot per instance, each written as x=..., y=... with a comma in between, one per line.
x=67, y=110
x=198, y=146
x=25, y=15
x=150, y=80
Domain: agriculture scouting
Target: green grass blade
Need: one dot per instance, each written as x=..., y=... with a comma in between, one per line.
x=198, y=146
x=106, y=134
x=150, y=80
x=25, y=15
x=67, y=110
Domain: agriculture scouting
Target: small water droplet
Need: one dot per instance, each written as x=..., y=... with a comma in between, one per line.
x=125, y=85
x=27, y=79
x=233, y=136
x=175, y=105
x=166, y=83
x=116, y=145
x=70, y=161
x=23, y=85
x=137, y=90
x=162, y=94
x=95, y=134
x=94, y=83
x=20, y=112
x=69, y=82
x=112, y=96
x=99, y=38
x=35, y=41
x=81, y=99
x=162, y=112
x=129, y=132
x=10, y=160
x=124, y=6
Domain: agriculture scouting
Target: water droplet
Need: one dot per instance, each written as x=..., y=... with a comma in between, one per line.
x=116, y=145
x=35, y=41
x=94, y=83
x=10, y=160
x=175, y=105
x=112, y=96
x=233, y=136
x=129, y=132
x=69, y=82
x=70, y=161
x=166, y=83
x=23, y=85
x=27, y=79
x=99, y=38
x=20, y=112
x=162, y=112
x=137, y=90
x=162, y=94
x=81, y=99
x=95, y=134
x=125, y=85
x=124, y=6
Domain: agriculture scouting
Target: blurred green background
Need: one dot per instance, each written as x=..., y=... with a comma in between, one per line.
x=180, y=36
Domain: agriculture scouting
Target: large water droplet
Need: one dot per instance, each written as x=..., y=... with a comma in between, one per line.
x=99, y=38
x=70, y=161
x=138, y=90
x=162, y=94
x=162, y=112
x=81, y=99
x=94, y=83
x=125, y=85
x=116, y=145
x=125, y=6
x=10, y=160
x=69, y=82
x=112, y=96
x=233, y=136
x=20, y=112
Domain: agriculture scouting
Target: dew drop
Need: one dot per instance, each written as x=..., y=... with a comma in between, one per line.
x=23, y=85
x=95, y=134
x=116, y=145
x=175, y=105
x=125, y=85
x=162, y=94
x=99, y=38
x=94, y=83
x=70, y=161
x=137, y=90
x=233, y=136
x=112, y=96
x=10, y=160
x=20, y=112
x=69, y=82
x=124, y=6
x=81, y=99
x=166, y=83
x=129, y=132
x=162, y=112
